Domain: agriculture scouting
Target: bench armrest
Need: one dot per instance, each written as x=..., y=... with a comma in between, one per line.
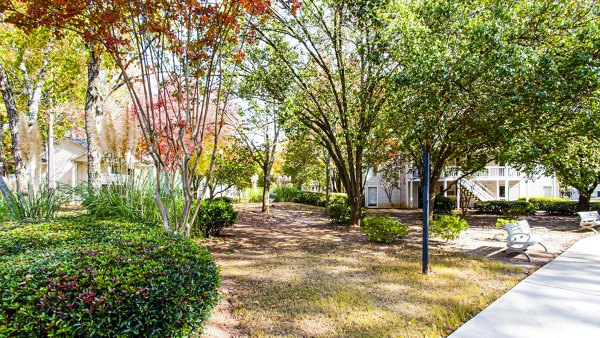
x=543, y=234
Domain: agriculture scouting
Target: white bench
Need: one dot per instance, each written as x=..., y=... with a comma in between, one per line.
x=589, y=220
x=520, y=238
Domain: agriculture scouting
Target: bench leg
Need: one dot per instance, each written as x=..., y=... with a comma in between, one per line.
x=543, y=246
x=508, y=251
x=589, y=227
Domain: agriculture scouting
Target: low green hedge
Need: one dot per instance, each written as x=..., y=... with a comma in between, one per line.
x=505, y=207
x=318, y=198
x=83, y=277
x=558, y=206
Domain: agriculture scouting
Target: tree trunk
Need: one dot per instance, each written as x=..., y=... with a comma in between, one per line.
x=93, y=108
x=211, y=191
x=50, y=156
x=583, y=204
x=8, y=196
x=3, y=167
x=355, y=199
x=266, y=190
x=435, y=177
x=327, y=178
x=13, y=122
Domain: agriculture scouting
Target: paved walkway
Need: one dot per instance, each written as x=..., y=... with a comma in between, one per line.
x=562, y=299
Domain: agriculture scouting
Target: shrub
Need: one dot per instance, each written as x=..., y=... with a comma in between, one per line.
x=226, y=199
x=501, y=221
x=286, y=193
x=339, y=213
x=444, y=205
x=383, y=229
x=318, y=198
x=542, y=203
x=447, y=227
x=254, y=195
x=505, y=207
x=131, y=199
x=558, y=206
x=83, y=277
x=213, y=216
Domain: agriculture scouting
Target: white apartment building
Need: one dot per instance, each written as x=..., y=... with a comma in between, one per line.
x=495, y=182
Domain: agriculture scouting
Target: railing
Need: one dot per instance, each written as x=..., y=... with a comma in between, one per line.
x=494, y=172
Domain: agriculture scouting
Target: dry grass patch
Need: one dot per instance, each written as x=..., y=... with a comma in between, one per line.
x=346, y=286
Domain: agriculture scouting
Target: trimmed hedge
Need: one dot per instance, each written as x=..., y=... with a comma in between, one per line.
x=505, y=207
x=558, y=206
x=84, y=277
x=318, y=198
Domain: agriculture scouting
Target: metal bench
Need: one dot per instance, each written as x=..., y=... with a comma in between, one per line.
x=589, y=220
x=520, y=238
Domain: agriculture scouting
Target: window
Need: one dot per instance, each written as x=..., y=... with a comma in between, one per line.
x=502, y=191
x=598, y=193
x=372, y=196
x=548, y=191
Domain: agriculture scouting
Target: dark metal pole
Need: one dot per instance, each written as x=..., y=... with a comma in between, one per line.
x=425, y=190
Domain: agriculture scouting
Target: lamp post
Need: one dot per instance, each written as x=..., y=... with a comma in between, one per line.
x=425, y=191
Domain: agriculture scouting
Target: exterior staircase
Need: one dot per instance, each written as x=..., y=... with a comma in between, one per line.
x=480, y=192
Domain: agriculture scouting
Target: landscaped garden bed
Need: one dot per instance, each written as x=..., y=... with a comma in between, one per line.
x=87, y=277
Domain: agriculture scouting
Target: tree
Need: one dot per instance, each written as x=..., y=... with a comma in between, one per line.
x=391, y=175
x=261, y=132
x=265, y=86
x=558, y=98
x=32, y=91
x=304, y=161
x=233, y=168
x=571, y=151
x=473, y=72
x=181, y=51
x=339, y=60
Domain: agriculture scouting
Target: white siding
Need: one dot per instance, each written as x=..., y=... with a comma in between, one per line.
x=65, y=168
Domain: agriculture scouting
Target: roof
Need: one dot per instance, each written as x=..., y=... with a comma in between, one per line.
x=81, y=142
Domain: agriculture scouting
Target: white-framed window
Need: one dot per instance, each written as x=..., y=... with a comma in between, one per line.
x=502, y=191
x=547, y=191
x=372, y=200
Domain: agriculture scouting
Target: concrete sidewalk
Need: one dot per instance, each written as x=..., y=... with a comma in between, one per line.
x=562, y=299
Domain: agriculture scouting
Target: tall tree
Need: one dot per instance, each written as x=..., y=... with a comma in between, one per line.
x=30, y=85
x=473, y=73
x=261, y=132
x=181, y=50
x=339, y=59
x=559, y=96
x=266, y=88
